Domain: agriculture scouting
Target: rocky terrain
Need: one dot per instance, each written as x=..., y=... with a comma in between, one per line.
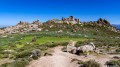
x=24, y=27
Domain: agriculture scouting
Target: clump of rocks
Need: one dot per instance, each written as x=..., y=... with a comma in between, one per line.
x=81, y=49
x=22, y=27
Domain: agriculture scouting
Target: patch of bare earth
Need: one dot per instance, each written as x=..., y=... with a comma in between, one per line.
x=2, y=61
x=63, y=59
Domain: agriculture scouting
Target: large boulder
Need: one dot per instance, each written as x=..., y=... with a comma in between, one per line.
x=86, y=48
x=71, y=46
x=35, y=52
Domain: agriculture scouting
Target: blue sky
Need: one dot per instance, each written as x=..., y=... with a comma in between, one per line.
x=13, y=11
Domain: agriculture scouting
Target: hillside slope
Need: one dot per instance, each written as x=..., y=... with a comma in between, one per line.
x=66, y=24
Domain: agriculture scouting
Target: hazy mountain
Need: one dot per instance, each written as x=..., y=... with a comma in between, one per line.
x=117, y=26
x=1, y=26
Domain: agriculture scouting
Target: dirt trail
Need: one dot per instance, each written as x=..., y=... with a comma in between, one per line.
x=63, y=59
x=59, y=59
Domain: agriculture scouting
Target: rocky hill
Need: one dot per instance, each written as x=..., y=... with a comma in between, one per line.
x=65, y=24
x=22, y=27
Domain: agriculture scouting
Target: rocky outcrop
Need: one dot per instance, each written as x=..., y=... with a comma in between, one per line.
x=71, y=18
x=22, y=27
x=101, y=21
x=66, y=20
x=37, y=22
x=23, y=23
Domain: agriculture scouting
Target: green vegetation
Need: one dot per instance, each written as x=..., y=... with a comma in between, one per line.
x=42, y=37
x=42, y=40
x=113, y=63
x=118, y=50
x=90, y=63
x=22, y=62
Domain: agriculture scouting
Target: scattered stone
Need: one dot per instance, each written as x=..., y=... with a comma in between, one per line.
x=34, y=39
x=47, y=54
x=116, y=57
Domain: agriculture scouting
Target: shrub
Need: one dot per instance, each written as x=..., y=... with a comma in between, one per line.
x=35, y=57
x=91, y=63
x=74, y=60
x=64, y=48
x=4, y=55
x=113, y=63
x=19, y=63
x=118, y=50
x=11, y=57
x=11, y=46
x=23, y=54
x=80, y=62
x=5, y=65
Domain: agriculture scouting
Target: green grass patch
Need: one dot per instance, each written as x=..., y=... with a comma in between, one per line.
x=42, y=40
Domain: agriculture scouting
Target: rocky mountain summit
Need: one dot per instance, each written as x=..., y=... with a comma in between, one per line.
x=23, y=27
x=101, y=22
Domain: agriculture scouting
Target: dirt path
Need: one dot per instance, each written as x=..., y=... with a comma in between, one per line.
x=59, y=59
x=63, y=59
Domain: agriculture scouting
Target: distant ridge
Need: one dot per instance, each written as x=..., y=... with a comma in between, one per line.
x=117, y=26
x=1, y=26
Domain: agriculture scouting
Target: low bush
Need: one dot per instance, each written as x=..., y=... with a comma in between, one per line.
x=113, y=63
x=91, y=63
x=4, y=56
x=35, y=57
x=22, y=54
x=5, y=65
x=21, y=62
x=118, y=50
x=80, y=62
